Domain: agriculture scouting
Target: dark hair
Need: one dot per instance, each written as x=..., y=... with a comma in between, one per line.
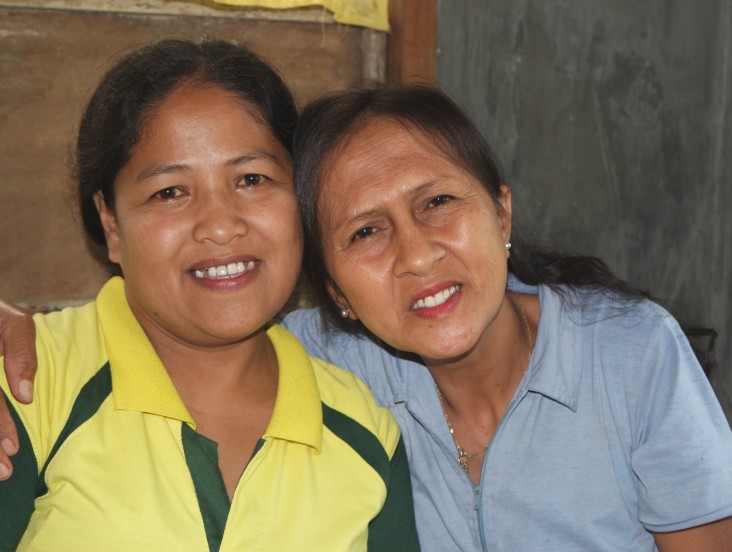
x=326, y=123
x=114, y=118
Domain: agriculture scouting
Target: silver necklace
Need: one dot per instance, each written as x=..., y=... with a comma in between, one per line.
x=464, y=457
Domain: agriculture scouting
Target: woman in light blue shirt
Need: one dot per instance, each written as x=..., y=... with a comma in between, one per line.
x=552, y=407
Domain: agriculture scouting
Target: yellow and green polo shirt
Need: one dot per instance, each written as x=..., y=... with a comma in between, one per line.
x=110, y=458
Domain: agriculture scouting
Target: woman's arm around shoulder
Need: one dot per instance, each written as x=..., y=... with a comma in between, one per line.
x=17, y=345
x=17, y=493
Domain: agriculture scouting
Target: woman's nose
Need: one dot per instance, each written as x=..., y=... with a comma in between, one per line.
x=219, y=219
x=418, y=250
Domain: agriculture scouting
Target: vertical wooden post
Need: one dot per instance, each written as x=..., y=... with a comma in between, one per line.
x=412, y=43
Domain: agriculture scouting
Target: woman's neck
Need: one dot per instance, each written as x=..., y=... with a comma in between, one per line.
x=208, y=375
x=229, y=392
x=476, y=389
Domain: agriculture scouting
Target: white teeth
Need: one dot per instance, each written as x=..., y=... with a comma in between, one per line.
x=224, y=271
x=437, y=299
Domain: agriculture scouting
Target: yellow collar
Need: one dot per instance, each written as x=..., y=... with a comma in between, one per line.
x=141, y=383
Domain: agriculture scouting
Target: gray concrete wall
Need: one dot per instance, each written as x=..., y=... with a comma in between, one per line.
x=614, y=121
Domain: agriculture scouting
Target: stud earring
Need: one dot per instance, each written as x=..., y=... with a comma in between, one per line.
x=344, y=313
x=508, y=246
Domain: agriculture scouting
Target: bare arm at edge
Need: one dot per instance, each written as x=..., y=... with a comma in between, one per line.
x=712, y=537
x=17, y=345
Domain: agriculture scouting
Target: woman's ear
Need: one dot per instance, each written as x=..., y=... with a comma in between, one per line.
x=340, y=300
x=504, y=212
x=109, y=223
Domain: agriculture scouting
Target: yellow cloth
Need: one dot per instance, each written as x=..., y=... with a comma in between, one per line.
x=373, y=14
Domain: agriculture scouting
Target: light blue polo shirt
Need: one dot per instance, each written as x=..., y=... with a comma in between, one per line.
x=614, y=432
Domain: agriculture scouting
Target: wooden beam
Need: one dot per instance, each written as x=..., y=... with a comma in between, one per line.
x=204, y=8
x=412, y=42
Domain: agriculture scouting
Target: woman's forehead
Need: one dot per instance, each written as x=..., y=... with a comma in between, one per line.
x=385, y=139
x=207, y=108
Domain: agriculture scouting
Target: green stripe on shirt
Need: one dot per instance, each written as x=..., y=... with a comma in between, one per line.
x=17, y=493
x=87, y=402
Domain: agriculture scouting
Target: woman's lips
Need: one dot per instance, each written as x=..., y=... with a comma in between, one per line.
x=436, y=299
x=223, y=271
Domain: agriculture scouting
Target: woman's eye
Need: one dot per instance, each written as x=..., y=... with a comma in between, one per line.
x=362, y=233
x=168, y=193
x=440, y=200
x=250, y=179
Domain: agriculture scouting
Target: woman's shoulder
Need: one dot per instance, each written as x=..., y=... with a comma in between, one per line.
x=588, y=307
x=64, y=325
x=383, y=369
x=630, y=335
x=342, y=392
x=69, y=343
x=346, y=397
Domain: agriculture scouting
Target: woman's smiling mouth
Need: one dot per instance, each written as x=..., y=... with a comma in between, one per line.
x=437, y=299
x=224, y=271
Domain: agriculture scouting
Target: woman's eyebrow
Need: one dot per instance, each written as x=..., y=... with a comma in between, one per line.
x=355, y=216
x=156, y=170
x=171, y=168
x=254, y=156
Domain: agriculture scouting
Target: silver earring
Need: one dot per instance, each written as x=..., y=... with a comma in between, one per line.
x=344, y=313
x=508, y=246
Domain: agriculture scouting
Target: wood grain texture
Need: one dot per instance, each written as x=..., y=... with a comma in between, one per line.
x=204, y=8
x=412, y=44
